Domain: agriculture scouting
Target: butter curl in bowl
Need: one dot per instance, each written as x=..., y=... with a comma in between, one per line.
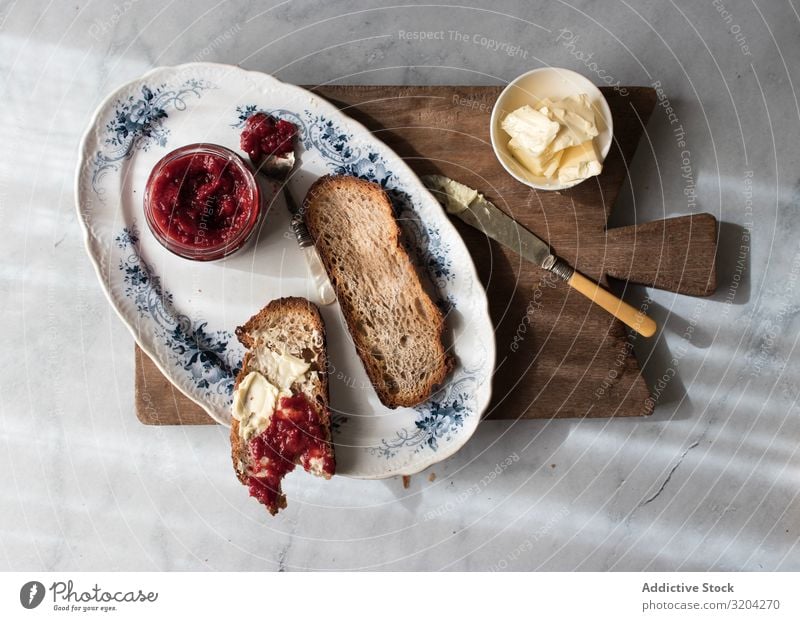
x=551, y=129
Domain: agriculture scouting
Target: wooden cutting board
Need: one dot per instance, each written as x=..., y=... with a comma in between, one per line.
x=558, y=355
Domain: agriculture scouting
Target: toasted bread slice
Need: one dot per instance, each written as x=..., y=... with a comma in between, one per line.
x=288, y=333
x=396, y=328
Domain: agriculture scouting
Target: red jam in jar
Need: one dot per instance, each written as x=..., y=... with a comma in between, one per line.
x=294, y=432
x=202, y=202
x=264, y=136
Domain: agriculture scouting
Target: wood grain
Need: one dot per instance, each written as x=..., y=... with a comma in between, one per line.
x=675, y=254
x=157, y=400
x=557, y=354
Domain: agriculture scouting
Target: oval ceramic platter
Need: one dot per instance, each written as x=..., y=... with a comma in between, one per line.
x=183, y=313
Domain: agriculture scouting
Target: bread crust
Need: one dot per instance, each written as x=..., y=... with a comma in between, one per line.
x=411, y=395
x=287, y=306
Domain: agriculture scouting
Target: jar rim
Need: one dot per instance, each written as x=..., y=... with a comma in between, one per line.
x=229, y=245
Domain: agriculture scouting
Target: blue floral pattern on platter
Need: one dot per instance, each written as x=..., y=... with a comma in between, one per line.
x=436, y=420
x=138, y=123
x=205, y=356
x=176, y=323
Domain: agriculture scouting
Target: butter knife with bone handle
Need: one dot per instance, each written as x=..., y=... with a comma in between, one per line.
x=279, y=169
x=313, y=262
x=473, y=208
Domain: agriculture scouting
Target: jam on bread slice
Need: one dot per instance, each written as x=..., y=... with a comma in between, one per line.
x=280, y=405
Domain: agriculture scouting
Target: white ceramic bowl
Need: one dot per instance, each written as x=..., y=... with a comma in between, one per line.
x=530, y=88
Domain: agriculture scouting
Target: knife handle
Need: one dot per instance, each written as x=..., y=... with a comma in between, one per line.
x=319, y=275
x=626, y=313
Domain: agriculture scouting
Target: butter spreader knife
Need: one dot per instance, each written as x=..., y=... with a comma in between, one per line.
x=471, y=207
x=279, y=169
x=315, y=268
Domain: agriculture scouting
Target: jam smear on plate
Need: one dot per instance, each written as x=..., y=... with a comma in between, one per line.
x=264, y=136
x=294, y=433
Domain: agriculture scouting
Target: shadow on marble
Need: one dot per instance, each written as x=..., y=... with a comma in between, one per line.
x=497, y=448
x=733, y=264
x=654, y=355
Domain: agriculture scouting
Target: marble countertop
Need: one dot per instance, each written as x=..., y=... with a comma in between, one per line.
x=710, y=481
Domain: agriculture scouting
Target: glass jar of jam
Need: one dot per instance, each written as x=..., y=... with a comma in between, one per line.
x=202, y=202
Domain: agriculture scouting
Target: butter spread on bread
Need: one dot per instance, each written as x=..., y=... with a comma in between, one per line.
x=280, y=404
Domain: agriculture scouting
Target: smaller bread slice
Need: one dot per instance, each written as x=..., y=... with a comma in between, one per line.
x=293, y=326
x=396, y=328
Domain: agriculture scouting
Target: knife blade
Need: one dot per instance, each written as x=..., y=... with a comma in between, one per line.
x=473, y=208
x=279, y=169
x=313, y=262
